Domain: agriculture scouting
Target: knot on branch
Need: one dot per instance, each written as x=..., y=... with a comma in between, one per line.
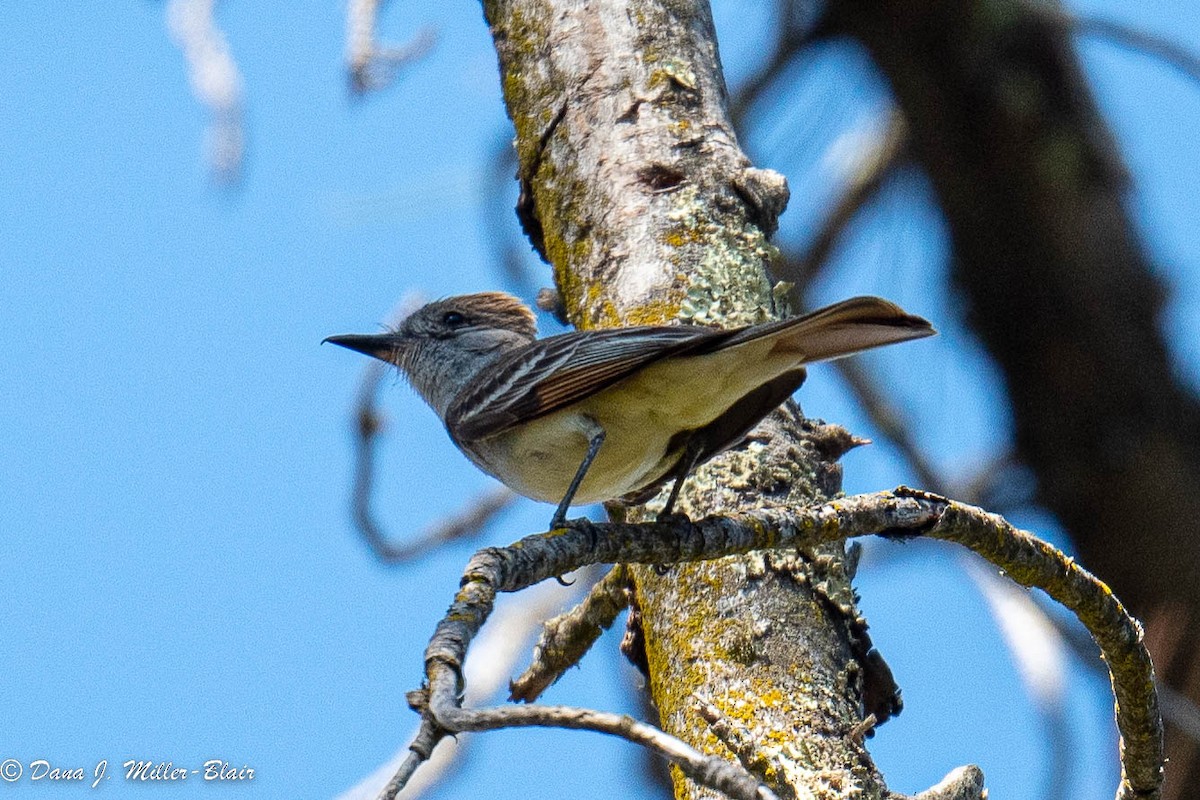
x=766, y=192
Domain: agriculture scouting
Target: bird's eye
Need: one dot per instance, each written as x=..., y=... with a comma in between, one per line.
x=454, y=319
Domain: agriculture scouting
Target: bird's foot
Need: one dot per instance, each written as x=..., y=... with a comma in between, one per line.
x=559, y=522
x=673, y=518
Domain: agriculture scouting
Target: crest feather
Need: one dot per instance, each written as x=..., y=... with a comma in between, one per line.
x=491, y=310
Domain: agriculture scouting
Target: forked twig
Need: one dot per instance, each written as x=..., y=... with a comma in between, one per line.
x=1166, y=51
x=869, y=172
x=884, y=416
x=373, y=66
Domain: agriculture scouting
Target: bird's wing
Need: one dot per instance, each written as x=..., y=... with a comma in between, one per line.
x=558, y=371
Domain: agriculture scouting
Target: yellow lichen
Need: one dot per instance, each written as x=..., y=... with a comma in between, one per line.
x=657, y=312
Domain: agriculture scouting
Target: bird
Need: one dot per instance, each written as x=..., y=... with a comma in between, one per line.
x=610, y=414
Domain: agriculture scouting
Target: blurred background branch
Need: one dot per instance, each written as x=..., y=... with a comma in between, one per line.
x=215, y=81
x=372, y=65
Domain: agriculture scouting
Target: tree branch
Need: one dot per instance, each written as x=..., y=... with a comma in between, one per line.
x=1060, y=290
x=634, y=187
x=791, y=37
x=567, y=637
x=494, y=656
x=708, y=771
x=904, y=512
x=632, y=182
x=872, y=168
x=1166, y=51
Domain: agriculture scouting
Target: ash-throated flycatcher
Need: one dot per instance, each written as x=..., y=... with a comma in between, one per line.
x=613, y=413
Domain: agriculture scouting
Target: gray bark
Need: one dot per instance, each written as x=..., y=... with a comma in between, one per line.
x=635, y=189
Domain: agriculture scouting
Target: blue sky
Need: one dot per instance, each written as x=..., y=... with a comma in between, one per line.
x=180, y=578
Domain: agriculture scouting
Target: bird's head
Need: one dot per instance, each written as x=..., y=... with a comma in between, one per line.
x=478, y=324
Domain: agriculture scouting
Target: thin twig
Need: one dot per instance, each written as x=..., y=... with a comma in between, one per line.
x=493, y=659
x=1051, y=704
x=733, y=735
x=427, y=738
x=997, y=484
x=373, y=66
x=1040, y=654
x=892, y=425
x=905, y=512
x=710, y=771
x=791, y=39
x=568, y=636
x=468, y=522
x=215, y=81
x=707, y=770
x=509, y=249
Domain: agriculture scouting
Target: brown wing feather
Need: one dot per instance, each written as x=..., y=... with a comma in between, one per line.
x=556, y=372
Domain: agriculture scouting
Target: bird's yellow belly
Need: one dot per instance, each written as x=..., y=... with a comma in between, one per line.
x=539, y=459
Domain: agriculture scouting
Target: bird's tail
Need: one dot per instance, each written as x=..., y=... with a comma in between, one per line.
x=841, y=329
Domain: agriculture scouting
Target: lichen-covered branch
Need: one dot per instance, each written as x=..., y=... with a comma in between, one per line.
x=636, y=191
x=633, y=184
x=567, y=637
x=706, y=770
x=904, y=512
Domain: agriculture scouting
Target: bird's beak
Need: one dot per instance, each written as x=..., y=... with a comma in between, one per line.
x=383, y=346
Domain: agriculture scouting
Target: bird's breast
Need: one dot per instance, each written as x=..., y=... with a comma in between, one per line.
x=640, y=416
x=539, y=458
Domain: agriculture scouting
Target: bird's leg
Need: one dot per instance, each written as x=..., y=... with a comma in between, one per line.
x=687, y=461
x=597, y=438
